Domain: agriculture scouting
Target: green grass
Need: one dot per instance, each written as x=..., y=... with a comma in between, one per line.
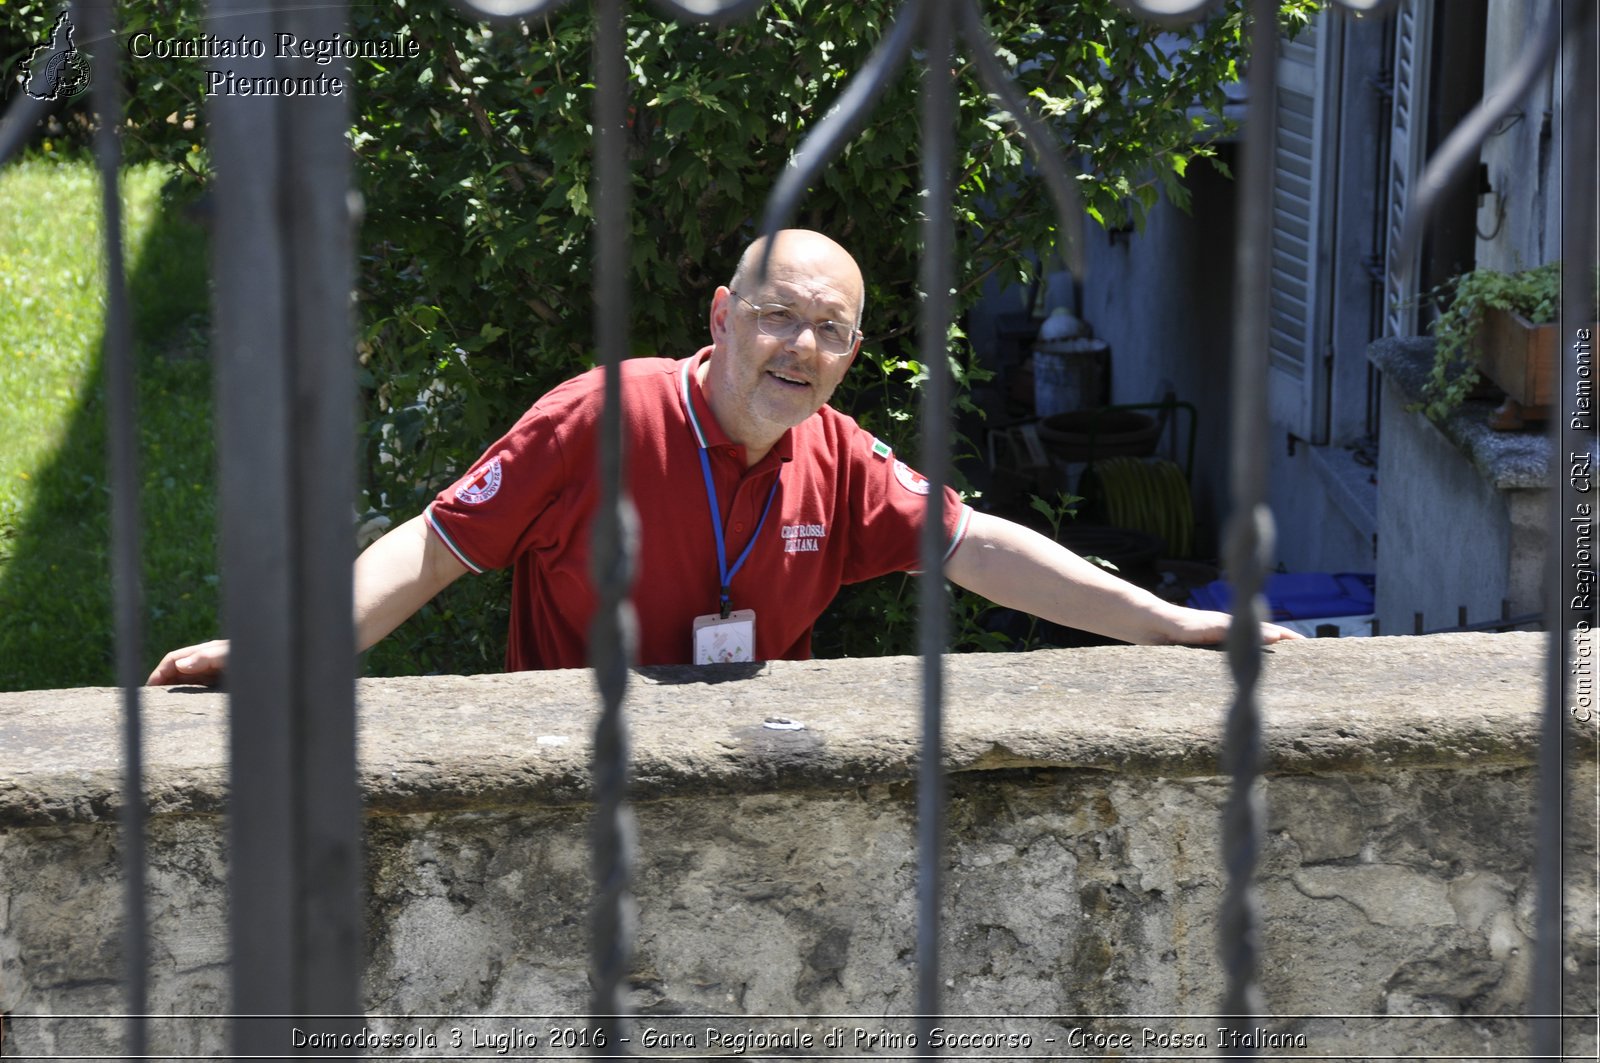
x=56, y=621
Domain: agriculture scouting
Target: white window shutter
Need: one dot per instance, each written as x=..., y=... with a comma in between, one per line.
x=1298, y=334
x=1408, y=145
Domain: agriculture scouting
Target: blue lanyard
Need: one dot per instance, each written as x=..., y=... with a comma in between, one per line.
x=723, y=570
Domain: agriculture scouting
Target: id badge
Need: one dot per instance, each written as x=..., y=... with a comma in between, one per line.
x=730, y=641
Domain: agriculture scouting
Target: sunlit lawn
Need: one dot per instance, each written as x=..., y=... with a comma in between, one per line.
x=56, y=625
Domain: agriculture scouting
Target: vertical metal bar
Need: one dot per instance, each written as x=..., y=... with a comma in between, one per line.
x=938, y=136
x=611, y=638
x=285, y=402
x=1571, y=434
x=1250, y=532
x=122, y=443
x=319, y=226
x=252, y=404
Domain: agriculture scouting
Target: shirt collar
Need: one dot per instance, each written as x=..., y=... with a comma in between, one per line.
x=707, y=432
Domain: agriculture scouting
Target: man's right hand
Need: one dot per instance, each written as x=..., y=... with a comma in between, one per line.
x=394, y=577
x=202, y=664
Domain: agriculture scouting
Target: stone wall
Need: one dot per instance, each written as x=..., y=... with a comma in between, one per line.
x=777, y=868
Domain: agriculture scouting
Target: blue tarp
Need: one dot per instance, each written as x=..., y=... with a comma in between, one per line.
x=1301, y=595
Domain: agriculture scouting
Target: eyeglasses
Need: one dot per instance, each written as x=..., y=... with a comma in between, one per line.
x=834, y=338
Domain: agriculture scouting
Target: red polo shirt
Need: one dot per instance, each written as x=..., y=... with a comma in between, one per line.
x=844, y=510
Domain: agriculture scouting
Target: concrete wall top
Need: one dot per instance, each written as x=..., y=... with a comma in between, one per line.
x=499, y=741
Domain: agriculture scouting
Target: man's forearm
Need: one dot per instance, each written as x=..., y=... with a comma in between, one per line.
x=1021, y=569
x=396, y=576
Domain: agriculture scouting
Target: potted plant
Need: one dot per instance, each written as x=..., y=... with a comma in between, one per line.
x=1503, y=326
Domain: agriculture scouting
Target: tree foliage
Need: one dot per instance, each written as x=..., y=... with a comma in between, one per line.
x=474, y=161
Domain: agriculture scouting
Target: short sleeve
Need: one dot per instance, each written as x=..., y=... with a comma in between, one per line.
x=890, y=502
x=502, y=506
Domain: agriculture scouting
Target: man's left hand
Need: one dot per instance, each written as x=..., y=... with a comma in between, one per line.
x=1019, y=568
x=1205, y=627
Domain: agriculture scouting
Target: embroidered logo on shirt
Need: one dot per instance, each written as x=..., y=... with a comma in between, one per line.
x=910, y=479
x=802, y=538
x=482, y=487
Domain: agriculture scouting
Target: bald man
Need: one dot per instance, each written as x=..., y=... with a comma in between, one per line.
x=756, y=500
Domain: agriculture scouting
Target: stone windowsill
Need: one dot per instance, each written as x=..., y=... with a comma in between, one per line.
x=1509, y=461
x=503, y=741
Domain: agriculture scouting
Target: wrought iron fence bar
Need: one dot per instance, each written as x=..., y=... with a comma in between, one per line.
x=612, y=631
x=824, y=142
x=1570, y=434
x=1052, y=167
x=122, y=445
x=938, y=151
x=320, y=232
x=1249, y=537
x=256, y=533
x=285, y=404
x=611, y=641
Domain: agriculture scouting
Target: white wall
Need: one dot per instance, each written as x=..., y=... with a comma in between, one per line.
x=1522, y=217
